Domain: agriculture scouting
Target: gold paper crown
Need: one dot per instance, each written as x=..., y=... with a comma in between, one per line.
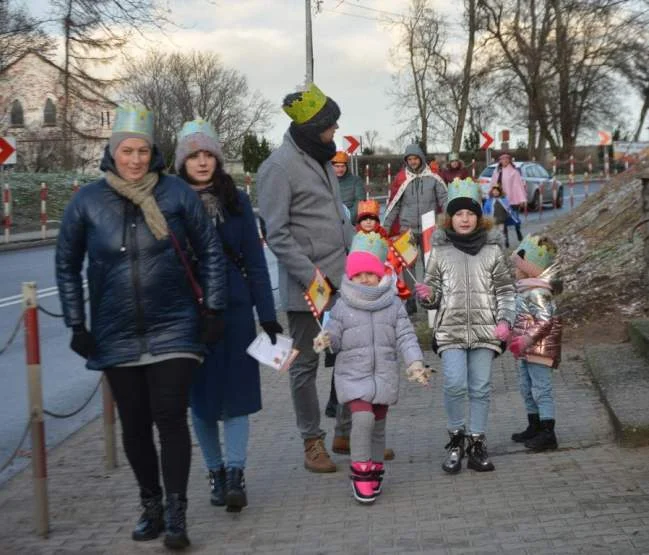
x=307, y=105
x=368, y=208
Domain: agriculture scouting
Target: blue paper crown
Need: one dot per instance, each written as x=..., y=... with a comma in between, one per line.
x=198, y=125
x=540, y=256
x=370, y=242
x=133, y=119
x=464, y=188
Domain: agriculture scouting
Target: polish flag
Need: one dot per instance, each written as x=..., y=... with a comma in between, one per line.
x=427, y=229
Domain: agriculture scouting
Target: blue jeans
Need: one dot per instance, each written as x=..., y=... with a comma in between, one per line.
x=536, y=389
x=236, y=432
x=467, y=371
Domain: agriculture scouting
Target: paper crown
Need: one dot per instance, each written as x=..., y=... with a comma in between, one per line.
x=133, y=119
x=468, y=188
x=198, y=125
x=540, y=256
x=368, y=208
x=307, y=105
x=370, y=242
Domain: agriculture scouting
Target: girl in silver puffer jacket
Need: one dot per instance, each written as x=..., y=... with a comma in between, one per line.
x=468, y=281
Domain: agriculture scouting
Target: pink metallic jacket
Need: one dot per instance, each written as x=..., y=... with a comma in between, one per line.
x=536, y=318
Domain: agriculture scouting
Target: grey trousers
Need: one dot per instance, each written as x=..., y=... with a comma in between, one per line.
x=303, y=373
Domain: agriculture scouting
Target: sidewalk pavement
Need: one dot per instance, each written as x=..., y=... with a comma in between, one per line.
x=590, y=496
x=29, y=239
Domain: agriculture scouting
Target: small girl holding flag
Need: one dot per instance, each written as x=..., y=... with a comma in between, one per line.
x=367, y=326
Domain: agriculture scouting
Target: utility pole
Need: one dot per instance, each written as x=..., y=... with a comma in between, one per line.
x=309, y=44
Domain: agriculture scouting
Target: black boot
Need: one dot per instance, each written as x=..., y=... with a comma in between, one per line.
x=235, y=490
x=545, y=439
x=151, y=523
x=176, y=532
x=455, y=447
x=519, y=235
x=217, y=487
x=477, y=454
x=533, y=428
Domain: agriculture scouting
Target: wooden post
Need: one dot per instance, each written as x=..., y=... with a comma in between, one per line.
x=39, y=455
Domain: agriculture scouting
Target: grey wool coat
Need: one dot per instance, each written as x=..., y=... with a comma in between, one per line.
x=471, y=293
x=299, y=200
x=369, y=327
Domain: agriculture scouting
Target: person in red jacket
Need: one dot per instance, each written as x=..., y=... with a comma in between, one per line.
x=454, y=169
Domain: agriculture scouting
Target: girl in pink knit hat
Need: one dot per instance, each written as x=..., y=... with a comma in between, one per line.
x=367, y=328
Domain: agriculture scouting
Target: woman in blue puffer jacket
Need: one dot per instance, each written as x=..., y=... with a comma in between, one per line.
x=145, y=330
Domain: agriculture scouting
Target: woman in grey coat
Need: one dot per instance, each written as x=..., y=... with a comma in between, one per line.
x=368, y=327
x=469, y=282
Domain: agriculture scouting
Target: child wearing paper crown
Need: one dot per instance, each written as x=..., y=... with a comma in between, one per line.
x=468, y=281
x=367, y=327
x=536, y=338
x=368, y=221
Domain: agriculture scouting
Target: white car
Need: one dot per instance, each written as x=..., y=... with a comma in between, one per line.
x=536, y=177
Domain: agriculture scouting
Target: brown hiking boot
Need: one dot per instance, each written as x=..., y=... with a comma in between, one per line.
x=316, y=458
x=340, y=446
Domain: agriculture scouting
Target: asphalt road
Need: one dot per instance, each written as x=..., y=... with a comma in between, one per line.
x=66, y=382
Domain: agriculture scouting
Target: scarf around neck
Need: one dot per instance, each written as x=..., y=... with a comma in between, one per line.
x=140, y=193
x=308, y=139
x=366, y=297
x=211, y=201
x=470, y=243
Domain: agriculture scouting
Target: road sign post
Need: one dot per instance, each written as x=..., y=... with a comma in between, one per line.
x=486, y=143
x=7, y=150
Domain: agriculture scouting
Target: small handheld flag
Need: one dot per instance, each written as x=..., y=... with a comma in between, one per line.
x=318, y=294
x=405, y=248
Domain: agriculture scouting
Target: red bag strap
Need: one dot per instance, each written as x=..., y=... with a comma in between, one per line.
x=196, y=288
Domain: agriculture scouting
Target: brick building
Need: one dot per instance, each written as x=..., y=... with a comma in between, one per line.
x=31, y=97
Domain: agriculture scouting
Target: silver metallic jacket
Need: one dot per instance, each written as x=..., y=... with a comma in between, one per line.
x=471, y=293
x=536, y=317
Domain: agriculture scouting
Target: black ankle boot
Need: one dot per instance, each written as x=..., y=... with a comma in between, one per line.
x=235, y=490
x=217, y=487
x=455, y=447
x=533, y=428
x=176, y=523
x=545, y=439
x=477, y=454
x=151, y=523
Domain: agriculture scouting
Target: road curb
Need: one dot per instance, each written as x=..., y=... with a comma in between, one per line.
x=22, y=245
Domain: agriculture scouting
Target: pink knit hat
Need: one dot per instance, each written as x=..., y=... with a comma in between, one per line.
x=362, y=261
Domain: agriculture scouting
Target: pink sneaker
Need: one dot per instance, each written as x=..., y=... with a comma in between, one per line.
x=363, y=482
x=377, y=470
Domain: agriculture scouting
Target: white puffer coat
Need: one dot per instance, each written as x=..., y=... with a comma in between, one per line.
x=471, y=293
x=368, y=327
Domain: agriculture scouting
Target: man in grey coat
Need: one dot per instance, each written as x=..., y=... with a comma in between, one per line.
x=299, y=200
x=421, y=192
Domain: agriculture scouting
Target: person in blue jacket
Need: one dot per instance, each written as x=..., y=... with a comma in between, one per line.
x=226, y=386
x=146, y=333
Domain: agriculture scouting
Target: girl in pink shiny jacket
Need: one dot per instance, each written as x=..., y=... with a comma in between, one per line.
x=536, y=338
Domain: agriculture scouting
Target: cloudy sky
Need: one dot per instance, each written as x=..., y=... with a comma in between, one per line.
x=265, y=40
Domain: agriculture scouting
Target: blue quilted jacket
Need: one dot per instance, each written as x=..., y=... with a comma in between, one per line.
x=140, y=297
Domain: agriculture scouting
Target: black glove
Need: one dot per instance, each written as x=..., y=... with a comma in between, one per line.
x=272, y=329
x=212, y=326
x=82, y=343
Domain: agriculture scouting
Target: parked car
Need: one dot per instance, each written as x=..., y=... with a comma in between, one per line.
x=536, y=177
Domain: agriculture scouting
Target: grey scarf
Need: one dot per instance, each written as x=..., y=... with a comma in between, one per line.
x=365, y=297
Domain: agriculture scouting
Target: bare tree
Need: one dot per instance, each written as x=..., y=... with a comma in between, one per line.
x=418, y=54
x=634, y=65
x=560, y=53
x=94, y=32
x=181, y=87
x=370, y=137
x=20, y=33
x=465, y=88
